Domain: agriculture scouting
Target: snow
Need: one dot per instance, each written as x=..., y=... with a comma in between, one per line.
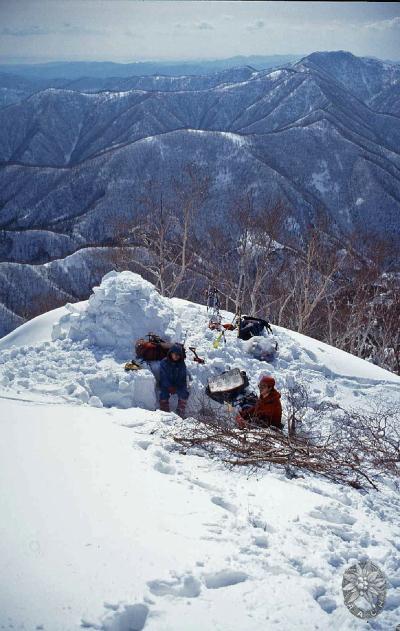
x=339, y=362
x=117, y=313
x=107, y=525
x=236, y=138
x=82, y=358
x=275, y=74
x=322, y=179
x=36, y=330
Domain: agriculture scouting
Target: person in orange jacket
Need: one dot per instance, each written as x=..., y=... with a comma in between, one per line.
x=267, y=412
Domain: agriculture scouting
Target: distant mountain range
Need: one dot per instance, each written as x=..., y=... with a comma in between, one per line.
x=321, y=134
x=104, y=69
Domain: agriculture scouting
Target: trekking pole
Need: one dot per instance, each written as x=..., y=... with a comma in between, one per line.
x=208, y=298
x=239, y=317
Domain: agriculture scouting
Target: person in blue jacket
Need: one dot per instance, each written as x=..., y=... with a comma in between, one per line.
x=173, y=379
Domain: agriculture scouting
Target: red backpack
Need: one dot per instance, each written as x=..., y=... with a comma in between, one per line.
x=153, y=348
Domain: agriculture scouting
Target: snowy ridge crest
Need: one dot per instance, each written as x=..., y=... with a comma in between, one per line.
x=77, y=353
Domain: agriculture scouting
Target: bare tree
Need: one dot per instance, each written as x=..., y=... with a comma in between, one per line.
x=310, y=281
x=190, y=192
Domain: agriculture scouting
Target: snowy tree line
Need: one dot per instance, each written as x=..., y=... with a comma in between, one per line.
x=338, y=289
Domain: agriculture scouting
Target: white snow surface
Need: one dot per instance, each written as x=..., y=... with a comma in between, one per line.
x=38, y=329
x=107, y=525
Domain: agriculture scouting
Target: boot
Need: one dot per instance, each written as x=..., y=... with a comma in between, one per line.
x=180, y=410
x=164, y=405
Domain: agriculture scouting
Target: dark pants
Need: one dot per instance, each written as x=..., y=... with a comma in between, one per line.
x=182, y=393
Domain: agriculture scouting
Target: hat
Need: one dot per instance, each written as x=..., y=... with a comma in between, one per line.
x=176, y=348
x=267, y=381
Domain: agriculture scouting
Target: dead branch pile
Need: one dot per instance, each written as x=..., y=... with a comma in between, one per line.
x=355, y=451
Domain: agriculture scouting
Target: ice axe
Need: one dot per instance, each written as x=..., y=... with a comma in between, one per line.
x=196, y=358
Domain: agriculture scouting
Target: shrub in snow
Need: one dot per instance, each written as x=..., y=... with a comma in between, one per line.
x=124, y=308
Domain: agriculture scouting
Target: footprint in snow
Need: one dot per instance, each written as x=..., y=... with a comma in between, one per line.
x=259, y=523
x=219, y=501
x=224, y=578
x=332, y=515
x=184, y=587
x=131, y=618
x=165, y=468
x=162, y=465
x=133, y=424
x=144, y=444
x=161, y=454
x=327, y=604
x=201, y=484
x=344, y=533
x=261, y=541
x=214, y=528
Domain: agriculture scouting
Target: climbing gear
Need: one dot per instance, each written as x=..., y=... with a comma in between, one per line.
x=213, y=306
x=214, y=322
x=238, y=317
x=196, y=358
x=213, y=303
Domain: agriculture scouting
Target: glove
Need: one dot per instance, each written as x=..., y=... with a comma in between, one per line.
x=240, y=422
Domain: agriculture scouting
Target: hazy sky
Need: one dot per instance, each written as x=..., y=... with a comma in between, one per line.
x=132, y=30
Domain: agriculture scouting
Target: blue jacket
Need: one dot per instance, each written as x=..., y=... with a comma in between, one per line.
x=173, y=374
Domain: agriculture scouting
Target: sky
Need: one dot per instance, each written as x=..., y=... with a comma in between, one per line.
x=140, y=30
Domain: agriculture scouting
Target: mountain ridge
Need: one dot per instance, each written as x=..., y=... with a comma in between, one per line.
x=73, y=164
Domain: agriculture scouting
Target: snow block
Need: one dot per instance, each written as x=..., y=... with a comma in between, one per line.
x=123, y=308
x=130, y=390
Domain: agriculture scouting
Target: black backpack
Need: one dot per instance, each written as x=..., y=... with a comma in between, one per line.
x=250, y=327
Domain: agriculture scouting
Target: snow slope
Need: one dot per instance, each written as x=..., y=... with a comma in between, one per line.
x=36, y=330
x=106, y=525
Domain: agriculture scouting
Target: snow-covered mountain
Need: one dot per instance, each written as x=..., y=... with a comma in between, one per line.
x=320, y=135
x=107, y=525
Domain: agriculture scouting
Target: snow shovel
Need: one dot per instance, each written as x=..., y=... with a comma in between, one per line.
x=196, y=358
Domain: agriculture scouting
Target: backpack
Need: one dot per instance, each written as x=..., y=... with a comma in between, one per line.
x=154, y=348
x=228, y=386
x=251, y=327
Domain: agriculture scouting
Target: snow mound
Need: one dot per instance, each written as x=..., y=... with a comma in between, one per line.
x=90, y=344
x=119, y=311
